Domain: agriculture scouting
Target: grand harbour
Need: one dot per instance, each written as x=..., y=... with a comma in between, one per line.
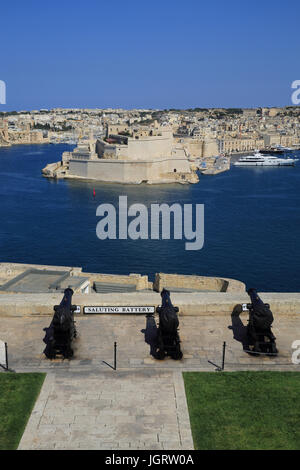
x=195, y=156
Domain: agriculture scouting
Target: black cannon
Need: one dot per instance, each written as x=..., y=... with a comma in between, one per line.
x=168, y=341
x=260, y=336
x=61, y=332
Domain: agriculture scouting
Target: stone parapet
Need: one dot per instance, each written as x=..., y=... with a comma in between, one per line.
x=10, y=270
x=201, y=283
x=190, y=304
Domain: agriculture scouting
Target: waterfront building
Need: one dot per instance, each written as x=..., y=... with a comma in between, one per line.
x=132, y=156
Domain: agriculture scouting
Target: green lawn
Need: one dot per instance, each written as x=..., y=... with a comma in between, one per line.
x=18, y=393
x=244, y=410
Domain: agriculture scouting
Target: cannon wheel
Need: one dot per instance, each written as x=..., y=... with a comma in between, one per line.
x=68, y=352
x=49, y=351
x=51, y=355
x=161, y=355
x=274, y=350
x=160, y=350
x=257, y=347
x=176, y=354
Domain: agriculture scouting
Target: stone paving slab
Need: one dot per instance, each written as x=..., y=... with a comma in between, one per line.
x=110, y=410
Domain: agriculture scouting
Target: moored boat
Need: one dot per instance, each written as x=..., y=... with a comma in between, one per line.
x=258, y=159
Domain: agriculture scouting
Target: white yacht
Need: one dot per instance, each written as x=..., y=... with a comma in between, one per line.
x=265, y=160
x=284, y=149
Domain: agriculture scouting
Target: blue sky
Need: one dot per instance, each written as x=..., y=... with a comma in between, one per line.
x=156, y=54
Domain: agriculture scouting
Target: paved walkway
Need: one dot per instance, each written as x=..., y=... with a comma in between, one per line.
x=110, y=410
x=86, y=405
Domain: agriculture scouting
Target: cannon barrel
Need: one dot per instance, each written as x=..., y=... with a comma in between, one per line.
x=166, y=301
x=67, y=298
x=255, y=299
x=66, y=302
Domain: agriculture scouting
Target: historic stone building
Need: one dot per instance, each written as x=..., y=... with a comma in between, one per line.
x=133, y=157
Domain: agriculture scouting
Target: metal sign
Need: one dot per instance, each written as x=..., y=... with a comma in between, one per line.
x=118, y=309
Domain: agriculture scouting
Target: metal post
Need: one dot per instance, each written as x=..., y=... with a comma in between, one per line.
x=115, y=355
x=114, y=367
x=6, y=356
x=223, y=358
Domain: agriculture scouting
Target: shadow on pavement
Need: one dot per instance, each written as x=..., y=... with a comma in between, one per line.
x=150, y=333
x=239, y=331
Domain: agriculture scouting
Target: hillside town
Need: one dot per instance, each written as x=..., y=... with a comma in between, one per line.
x=230, y=130
x=206, y=138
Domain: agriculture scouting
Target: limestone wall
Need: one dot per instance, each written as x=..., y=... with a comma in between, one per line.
x=133, y=172
x=78, y=168
x=150, y=148
x=141, y=282
x=9, y=271
x=52, y=169
x=202, y=283
x=138, y=148
x=210, y=148
x=111, y=151
x=194, y=147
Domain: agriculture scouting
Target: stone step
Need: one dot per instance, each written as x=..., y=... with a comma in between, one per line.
x=101, y=287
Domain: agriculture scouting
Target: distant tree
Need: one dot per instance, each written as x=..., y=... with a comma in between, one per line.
x=234, y=111
x=125, y=133
x=197, y=110
x=39, y=126
x=9, y=113
x=47, y=127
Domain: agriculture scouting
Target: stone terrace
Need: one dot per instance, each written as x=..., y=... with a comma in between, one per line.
x=84, y=404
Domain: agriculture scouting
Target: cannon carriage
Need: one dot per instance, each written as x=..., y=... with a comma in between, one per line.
x=61, y=332
x=260, y=336
x=260, y=339
x=168, y=341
